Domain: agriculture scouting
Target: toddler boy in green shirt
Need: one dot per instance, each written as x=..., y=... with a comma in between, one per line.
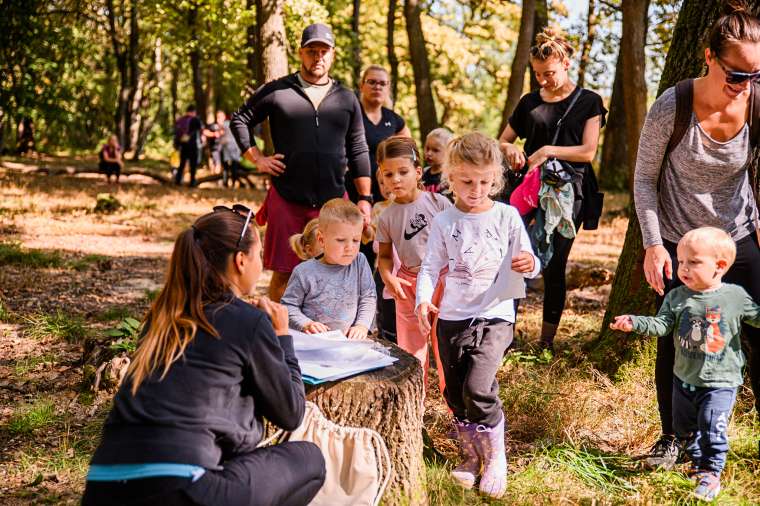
x=705, y=317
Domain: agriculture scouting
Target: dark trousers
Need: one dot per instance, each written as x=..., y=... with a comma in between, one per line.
x=385, y=317
x=471, y=352
x=700, y=418
x=231, y=170
x=286, y=474
x=187, y=154
x=745, y=272
x=555, y=288
x=110, y=169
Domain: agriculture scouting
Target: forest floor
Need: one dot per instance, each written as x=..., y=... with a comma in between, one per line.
x=68, y=274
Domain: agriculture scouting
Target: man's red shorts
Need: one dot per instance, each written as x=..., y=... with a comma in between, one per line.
x=283, y=219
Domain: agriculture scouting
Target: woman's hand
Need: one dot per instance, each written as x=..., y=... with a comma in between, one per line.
x=276, y=312
x=357, y=332
x=266, y=164
x=315, y=328
x=513, y=155
x=394, y=284
x=623, y=323
x=523, y=263
x=538, y=157
x=656, y=259
x=424, y=312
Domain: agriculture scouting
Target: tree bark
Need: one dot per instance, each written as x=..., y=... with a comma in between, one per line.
x=421, y=69
x=389, y=401
x=356, y=43
x=271, y=46
x=519, y=62
x=613, y=168
x=630, y=293
x=252, y=47
x=135, y=78
x=120, y=116
x=591, y=22
x=196, y=74
x=391, y=46
x=540, y=22
x=634, y=71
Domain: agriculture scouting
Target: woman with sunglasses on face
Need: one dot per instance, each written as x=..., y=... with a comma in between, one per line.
x=535, y=119
x=186, y=421
x=701, y=181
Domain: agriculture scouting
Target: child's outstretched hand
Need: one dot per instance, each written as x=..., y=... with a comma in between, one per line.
x=394, y=285
x=523, y=263
x=623, y=323
x=424, y=312
x=315, y=328
x=357, y=332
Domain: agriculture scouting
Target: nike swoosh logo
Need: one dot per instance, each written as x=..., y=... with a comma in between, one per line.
x=408, y=236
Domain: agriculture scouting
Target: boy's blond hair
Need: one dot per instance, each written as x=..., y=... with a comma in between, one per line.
x=713, y=240
x=300, y=243
x=339, y=211
x=442, y=134
x=476, y=149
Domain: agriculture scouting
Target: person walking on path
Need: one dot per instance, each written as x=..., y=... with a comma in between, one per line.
x=701, y=181
x=187, y=140
x=317, y=131
x=187, y=419
x=535, y=119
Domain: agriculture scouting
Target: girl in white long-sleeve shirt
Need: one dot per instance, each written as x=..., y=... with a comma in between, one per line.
x=473, y=238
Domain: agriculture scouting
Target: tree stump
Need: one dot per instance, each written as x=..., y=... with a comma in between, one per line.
x=390, y=401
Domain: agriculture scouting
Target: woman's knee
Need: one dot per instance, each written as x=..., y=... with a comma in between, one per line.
x=312, y=459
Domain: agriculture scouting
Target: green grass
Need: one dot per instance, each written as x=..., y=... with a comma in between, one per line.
x=5, y=313
x=13, y=254
x=31, y=417
x=58, y=325
x=84, y=263
x=115, y=313
x=24, y=365
x=150, y=295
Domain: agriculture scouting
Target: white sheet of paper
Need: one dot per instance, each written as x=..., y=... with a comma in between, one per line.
x=508, y=283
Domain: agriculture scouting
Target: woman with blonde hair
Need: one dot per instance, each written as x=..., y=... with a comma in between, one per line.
x=186, y=421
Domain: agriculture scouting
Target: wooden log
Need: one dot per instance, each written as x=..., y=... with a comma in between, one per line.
x=390, y=401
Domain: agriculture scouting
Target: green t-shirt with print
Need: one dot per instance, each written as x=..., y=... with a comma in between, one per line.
x=706, y=328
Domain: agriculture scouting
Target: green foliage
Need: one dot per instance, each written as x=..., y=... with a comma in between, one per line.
x=5, y=314
x=520, y=357
x=107, y=203
x=13, y=254
x=24, y=365
x=84, y=263
x=31, y=417
x=58, y=325
x=126, y=334
x=150, y=295
x=114, y=313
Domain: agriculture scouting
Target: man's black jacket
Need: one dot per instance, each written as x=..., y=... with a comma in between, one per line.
x=317, y=145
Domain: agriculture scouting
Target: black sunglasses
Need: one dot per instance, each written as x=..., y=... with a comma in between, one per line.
x=736, y=77
x=242, y=211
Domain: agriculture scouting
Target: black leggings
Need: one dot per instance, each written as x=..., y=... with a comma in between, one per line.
x=287, y=474
x=555, y=286
x=745, y=272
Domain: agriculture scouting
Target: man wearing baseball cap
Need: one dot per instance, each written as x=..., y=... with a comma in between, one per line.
x=317, y=131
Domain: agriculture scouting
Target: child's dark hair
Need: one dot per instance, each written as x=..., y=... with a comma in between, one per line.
x=737, y=24
x=399, y=146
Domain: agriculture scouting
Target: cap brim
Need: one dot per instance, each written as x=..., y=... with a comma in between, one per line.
x=318, y=39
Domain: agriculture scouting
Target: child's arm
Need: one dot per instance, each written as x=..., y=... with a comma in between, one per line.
x=385, y=267
x=660, y=325
x=526, y=262
x=293, y=299
x=751, y=311
x=435, y=260
x=367, y=303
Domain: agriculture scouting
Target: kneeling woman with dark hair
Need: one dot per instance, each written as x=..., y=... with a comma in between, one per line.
x=187, y=419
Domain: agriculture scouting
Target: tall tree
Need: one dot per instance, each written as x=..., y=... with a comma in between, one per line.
x=519, y=62
x=540, y=22
x=196, y=72
x=592, y=20
x=613, y=166
x=356, y=43
x=271, y=48
x=630, y=293
x=391, y=47
x=421, y=68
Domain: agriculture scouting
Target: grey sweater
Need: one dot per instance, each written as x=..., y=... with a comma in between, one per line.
x=705, y=182
x=336, y=295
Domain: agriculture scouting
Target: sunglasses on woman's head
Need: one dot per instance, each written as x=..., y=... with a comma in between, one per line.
x=242, y=211
x=736, y=77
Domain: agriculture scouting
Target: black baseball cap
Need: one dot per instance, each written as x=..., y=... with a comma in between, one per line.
x=317, y=33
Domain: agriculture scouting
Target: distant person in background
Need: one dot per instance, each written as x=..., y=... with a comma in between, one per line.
x=187, y=137
x=111, y=161
x=231, y=168
x=25, y=136
x=213, y=134
x=435, y=154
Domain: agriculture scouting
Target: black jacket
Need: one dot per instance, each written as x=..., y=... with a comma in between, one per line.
x=209, y=406
x=318, y=144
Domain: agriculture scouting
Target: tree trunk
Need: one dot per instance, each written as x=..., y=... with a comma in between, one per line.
x=356, y=43
x=389, y=401
x=519, y=62
x=630, y=293
x=271, y=46
x=421, y=68
x=634, y=71
x=120, y=116
x=591, y=22
x=613, y=168
x=540, y=22
x=391, y=46
x=252, y=60
x=196, y=74
x=135, y=81
x=174, y=91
